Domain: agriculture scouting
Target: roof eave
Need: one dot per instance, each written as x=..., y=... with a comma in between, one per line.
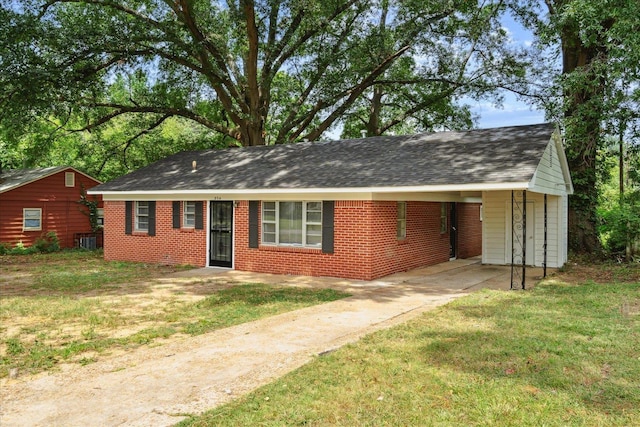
x=114, y=195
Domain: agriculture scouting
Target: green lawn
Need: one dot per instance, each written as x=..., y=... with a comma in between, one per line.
x=561, y=354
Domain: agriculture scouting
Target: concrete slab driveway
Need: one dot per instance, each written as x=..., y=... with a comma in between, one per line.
x=158, y=386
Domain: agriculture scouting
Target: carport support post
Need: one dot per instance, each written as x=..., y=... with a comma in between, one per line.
x=518, y=224
x=544, y=263
x=524, y=237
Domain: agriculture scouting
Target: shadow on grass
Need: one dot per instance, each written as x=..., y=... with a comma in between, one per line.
x=559, y=339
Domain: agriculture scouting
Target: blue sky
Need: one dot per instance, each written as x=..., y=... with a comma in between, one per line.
x=513, y=111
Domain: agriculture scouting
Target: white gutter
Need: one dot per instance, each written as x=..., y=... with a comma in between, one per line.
x=408, y=189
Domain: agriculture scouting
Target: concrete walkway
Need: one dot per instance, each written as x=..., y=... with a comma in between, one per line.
x=159, y=386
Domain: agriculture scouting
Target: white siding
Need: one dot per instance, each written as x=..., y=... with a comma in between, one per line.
x=493, y=226
x=496, y=244
x=548, y=177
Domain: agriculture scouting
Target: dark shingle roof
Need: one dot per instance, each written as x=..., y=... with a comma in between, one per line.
x=498, y=155
x=13, y=178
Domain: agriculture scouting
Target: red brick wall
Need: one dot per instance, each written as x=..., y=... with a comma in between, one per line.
x=351, y=257
x=169, y=245
x=424, y=245
x=469, y=230
x=366, y=246
x=61, y=212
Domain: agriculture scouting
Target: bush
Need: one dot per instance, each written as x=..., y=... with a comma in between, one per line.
x=620, y=226
x=5, y=248
x=47, y=243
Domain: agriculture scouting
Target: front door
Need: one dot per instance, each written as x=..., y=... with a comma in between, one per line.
x=453, y=231
x=221, y=242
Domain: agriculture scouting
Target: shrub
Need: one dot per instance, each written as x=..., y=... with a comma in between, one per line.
x=47, y=243
x=5, y=248
x=620, y=226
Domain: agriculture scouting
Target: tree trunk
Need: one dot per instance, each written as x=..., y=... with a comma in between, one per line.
x=583, y=114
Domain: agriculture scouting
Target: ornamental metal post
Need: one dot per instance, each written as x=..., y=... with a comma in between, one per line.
x=518, y=240
x=544, y=263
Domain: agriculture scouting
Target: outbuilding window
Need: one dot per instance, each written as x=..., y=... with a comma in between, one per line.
x=292, y=223
x=142, y=216
x=32, y=219
x=100, y=217
x=443, y=217
x=69, y=179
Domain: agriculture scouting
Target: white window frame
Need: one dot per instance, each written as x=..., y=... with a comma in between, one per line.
x=304, y=226
x=188, y=218
x=24, y=219
x=444, y=217
x=138, y=215
x=401, y=228
x=100, y=217
x=69, y=179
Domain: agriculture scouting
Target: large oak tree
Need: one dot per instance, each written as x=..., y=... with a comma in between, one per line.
x=255, y=71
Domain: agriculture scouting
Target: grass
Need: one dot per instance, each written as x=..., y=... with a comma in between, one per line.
x=563, y=354
x=73, y=307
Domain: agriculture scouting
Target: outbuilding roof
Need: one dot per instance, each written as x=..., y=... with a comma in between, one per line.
x=10, y=179
x=482, y=156
x=14, y=178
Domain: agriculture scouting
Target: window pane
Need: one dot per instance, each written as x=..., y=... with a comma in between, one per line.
x=314, y=235
x=290, y=223
x=143, y=208
x=269, y=228
x=314, y=206
x=269, y=215
x=314, y=217
x=268, y=237
x=32, y=223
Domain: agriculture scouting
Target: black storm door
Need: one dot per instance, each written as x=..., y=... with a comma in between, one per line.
x=453, y=231
x=221, y=242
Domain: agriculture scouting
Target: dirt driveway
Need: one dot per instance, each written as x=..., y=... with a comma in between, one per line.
x=159, y=385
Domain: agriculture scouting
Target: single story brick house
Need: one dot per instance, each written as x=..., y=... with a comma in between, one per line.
x=36, y=201
x=360, y=208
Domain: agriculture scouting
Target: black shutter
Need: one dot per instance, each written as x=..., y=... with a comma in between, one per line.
x=327, y=226
x=152, y=219
x=199, y=221
x=128, y=217
x=176, y=214
x=253, y=223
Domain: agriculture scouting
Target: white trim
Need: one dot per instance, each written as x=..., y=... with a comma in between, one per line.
x=184, y=214
x=303, y=229
x=136, y=217
x=359, y=193
x=25, y=228
x=69, y=179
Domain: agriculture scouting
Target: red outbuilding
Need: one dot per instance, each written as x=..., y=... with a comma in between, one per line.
x=34, y=202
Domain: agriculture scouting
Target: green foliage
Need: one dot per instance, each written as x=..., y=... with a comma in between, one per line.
x=103, y=79
x=92, y=209
x=47, y=243
x=620, y=226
